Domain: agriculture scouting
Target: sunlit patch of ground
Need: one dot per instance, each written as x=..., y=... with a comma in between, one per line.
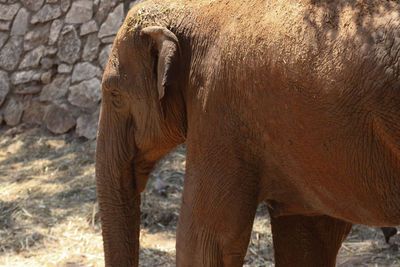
x=49, y=214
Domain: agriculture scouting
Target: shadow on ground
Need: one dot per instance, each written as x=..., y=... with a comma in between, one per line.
x=49, y=215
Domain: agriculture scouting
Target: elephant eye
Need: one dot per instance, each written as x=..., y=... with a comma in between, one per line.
x=116, y=99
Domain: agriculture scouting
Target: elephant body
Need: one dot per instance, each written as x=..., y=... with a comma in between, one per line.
x=292, y=103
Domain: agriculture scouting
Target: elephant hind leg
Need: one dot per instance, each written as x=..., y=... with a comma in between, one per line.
x=307, y=240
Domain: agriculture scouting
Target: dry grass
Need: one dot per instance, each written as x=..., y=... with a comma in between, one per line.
x=49, y=215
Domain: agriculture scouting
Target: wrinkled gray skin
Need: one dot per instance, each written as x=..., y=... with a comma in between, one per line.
x=292, y=103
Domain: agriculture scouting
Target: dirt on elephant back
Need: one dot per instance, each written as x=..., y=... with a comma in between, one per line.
x=49, y=214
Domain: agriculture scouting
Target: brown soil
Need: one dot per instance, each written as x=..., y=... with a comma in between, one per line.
x=49, y=215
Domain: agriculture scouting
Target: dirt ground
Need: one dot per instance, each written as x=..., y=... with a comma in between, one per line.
x=49, y=215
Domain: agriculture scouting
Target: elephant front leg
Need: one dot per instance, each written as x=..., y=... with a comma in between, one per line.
x=307, y=241
x=219, y=202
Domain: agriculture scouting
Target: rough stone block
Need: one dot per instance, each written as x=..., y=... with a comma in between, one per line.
x=46, y=62
x=38, y=36
x=86, y=94
x=89, y=27
x=46, y=13
x=7, y=12
x=25, y=76
x=113, y=22
x=69, y=45
x=65, y=4
x=55, y=29
x=32, y=58
x=64, y=68
x=27, y=90
x=34, y=112
x=4, y=86
x=108, y=40
x=20, y=24
x=58, y=120
x=11, y=53
x=13, y=111
x=81, y=11
x=85, y=71
x=91, y=48
x=56, y=90
x=86, y=125
x=105, y=8
x=33, y=5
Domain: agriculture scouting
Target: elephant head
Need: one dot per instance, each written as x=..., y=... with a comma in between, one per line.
x=142, y=118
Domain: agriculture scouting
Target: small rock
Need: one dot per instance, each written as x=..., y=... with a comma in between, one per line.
x=33, y=112
x=33, y=5
x=5, y=25
x=46, y=63
x=69, y=45
x=89, y=27
x=85, y=94
x=65, y=4
x=27, y=90
x=13, y=112
x=46, y=13
x=104, y=55
x=58, y=120
x=113, y=22
x=38, y=36
x=91, y=48
x=7, y=12
x=81, y=11
x=86, y=126
x=20, y=24
x=51, y=1
x=56, y=90
x=32, y=58
x=85, y=71
x=108, y=40
x=64, y=68
x=46, y=77
x=55, y=29
x=24, y=77
x=3, y=38
x=4, y=86
x=11, y=53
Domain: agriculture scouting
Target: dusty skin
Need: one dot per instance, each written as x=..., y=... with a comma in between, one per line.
x=295, y=104
x=49, y=215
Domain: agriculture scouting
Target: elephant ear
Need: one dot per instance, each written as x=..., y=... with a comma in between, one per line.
x=167, y=46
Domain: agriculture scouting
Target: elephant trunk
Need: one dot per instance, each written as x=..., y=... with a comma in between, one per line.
x=117, y=190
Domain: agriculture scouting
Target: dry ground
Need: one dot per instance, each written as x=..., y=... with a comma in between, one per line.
x=48, y=210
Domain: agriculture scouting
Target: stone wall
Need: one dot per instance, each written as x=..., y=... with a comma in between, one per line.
x=52, y=56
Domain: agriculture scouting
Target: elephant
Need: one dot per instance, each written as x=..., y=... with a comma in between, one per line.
x=295, y=104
